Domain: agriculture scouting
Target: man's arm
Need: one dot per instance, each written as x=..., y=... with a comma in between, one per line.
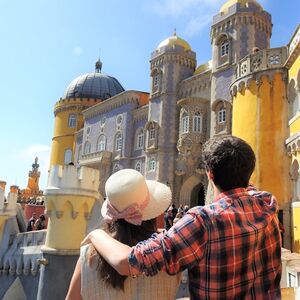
x=113, y=251
x=179, y=248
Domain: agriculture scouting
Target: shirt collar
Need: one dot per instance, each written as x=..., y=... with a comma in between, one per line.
x=229, y=193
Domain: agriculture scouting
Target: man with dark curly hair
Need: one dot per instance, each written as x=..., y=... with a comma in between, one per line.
x=231, y=247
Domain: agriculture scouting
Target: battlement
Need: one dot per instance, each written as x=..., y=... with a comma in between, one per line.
x=8, y=204
x=68, y=180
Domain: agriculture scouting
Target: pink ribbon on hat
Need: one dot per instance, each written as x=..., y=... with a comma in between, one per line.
x=132, y=214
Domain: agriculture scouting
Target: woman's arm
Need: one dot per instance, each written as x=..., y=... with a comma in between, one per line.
x=74, y=292
x=113, y=251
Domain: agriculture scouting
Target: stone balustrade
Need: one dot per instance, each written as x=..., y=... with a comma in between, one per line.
x=261, y=61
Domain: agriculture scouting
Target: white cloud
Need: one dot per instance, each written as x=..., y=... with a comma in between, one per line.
x=77, y=50
x=199, y=13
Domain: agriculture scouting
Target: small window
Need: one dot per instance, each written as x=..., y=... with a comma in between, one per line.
x=185, y=120
x=116, y=168
x=119, y=119
x=221, y=115
x=140, y=140
x=156, y=80
x=152, y=134
x=224, y=47
x=68, y=156
x=101, y=145
x=152, y=164
x=118, y=142
x=138, y=166
x=87, y=148
x=79, y=153
x=197, y=122
x=72, y=121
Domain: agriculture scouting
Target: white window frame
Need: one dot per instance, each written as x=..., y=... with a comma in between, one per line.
x=87, y=147
x=222, y=116
x=140, y=139
x=138, y=166
x=101, y=145
x=79, y=153
x=224, y=47
x=185, y=123
x=152, y=164
x=118, y=142
x=68, y=156
x=152, y=133
x=197, y=122
x=72, y=120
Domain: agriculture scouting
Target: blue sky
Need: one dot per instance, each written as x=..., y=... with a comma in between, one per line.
x=45, y=44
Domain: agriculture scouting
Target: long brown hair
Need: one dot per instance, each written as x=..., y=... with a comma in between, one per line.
x=128, y=234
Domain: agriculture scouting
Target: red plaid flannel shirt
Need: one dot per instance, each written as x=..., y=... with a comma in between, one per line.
x=231, y=248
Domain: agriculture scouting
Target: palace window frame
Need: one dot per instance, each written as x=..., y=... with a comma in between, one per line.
x=118, y=141
x=101, y=143
x=222, y=115
x=197, y=122
x=72, y=120
x=152, y=164
x=87, y=147
x=68, y=156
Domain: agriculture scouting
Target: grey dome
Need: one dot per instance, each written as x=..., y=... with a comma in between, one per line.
x=93, y=85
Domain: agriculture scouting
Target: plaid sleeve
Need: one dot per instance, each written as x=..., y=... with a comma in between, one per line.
x=180, y=248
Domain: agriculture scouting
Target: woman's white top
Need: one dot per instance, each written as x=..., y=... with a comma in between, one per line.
x=159, y=287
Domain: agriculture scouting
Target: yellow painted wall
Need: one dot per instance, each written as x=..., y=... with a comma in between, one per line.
x=66, y=231
x=2, y=224
x=296, y=224
x=260, y=118
x=63, y=136
x=294, y=69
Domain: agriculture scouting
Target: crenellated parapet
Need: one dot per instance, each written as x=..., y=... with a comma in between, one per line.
x=254, y=66
x=74, y=104
x=15, y=261
x=8, y=204
x=69, y=196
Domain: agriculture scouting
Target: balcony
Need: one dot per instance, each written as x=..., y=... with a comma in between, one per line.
x=261, y=61
x=96, y=159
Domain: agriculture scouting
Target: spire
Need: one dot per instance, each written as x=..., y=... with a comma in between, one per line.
x=98, y=66
x=174, y=33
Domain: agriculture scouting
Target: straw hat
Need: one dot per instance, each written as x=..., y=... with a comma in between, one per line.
x=129, y=196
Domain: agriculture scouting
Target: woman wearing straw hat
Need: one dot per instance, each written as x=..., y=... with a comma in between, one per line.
x=132, y=204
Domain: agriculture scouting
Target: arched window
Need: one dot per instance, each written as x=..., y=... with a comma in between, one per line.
x=224, y=47
x=101, y=144
x=152, y=134
x=138, y=166
x=156, y=77
x=118, y=141
x=293, y=98
x=116, y=168
x=140, y=138
x=68, y=156
x=72, y=120
x=87, y=148
x=152, y=164
x=197, y=122
x=222, y=115
x=185, y=122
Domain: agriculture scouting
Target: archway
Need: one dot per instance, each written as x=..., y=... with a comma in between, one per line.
x=198, y=195
x=192, y=192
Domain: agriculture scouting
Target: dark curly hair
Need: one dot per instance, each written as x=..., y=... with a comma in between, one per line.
x=231, y=161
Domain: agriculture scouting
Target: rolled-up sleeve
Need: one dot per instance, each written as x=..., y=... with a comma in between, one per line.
x=179, y=248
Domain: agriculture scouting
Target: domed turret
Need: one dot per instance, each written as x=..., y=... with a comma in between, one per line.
x=93, y=85
x=174, y=40
x=243, y=3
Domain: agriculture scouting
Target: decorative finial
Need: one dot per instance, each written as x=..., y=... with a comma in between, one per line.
x=35, y=166
x=174, y=33
x=98, y=66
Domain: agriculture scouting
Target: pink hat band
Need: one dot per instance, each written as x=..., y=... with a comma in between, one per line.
x=132, y=214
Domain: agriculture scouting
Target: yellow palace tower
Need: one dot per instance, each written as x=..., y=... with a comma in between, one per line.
x=82, y=93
